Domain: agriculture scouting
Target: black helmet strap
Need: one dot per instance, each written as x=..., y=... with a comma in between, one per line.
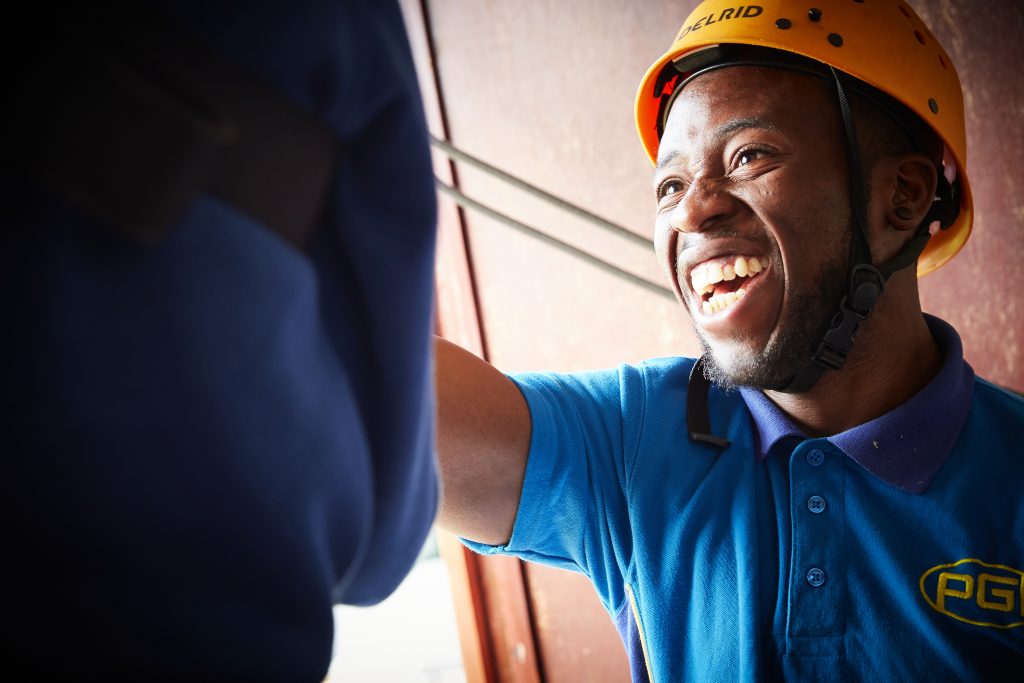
x=866, y=281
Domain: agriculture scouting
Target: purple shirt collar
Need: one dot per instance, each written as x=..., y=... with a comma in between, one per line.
x=906, y=446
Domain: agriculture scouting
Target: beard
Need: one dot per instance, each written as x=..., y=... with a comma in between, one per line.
x=807, y=317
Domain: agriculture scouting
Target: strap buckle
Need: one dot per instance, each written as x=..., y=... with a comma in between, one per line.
x=838, y=341
x=866, y=285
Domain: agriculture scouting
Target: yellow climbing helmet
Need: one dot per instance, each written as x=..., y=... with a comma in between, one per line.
x=880, y=42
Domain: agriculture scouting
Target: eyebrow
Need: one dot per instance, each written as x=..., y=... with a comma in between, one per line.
x=723, y=131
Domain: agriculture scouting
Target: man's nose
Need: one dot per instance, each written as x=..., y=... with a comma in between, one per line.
x=705, y=205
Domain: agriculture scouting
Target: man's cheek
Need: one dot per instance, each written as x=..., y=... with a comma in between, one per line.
x=664, y=248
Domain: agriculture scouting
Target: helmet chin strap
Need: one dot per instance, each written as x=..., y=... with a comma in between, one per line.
x=866, y=281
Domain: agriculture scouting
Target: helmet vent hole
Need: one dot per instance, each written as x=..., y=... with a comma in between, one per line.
x=933, y=105
x=920, y=38
x=783, y=23
x=835, y=39
x=942, y=62
x=905, y=11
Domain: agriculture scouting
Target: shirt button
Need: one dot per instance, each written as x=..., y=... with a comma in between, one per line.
x=816, y=504
x=815, y=457
x=815, y=577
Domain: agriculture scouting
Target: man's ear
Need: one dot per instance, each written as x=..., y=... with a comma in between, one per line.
x=913, y=180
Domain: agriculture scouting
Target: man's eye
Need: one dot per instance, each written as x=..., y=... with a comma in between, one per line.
x=669, y=188
x=749, y=155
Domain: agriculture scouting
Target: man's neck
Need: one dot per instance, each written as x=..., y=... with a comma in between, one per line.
x=894, y=357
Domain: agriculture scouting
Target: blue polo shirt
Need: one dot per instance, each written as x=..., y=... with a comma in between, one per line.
x=892, y=551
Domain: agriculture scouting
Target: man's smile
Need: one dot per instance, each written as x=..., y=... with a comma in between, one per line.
x=727, y=284
x=720, y=282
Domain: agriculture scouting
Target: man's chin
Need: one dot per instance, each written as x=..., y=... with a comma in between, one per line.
x=724, y=362
x=735, y=364
x=752, y=356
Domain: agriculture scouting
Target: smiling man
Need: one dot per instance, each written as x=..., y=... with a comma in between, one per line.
x=852, y=510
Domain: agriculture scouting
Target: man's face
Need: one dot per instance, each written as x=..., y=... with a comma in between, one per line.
x=753, y=220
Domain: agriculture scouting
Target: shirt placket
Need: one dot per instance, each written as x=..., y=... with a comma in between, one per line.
x=817, y=594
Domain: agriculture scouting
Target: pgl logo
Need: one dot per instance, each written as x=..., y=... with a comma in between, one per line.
x=976, y=592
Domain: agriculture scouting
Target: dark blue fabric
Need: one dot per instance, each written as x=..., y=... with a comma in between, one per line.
x=906, y=446
x=625, y=624
x=210, y=441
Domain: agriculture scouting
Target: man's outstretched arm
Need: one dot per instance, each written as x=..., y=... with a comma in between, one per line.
x=483, y=438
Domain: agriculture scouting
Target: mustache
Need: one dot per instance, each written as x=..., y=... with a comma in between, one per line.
x=684, y=241
x=687, y=240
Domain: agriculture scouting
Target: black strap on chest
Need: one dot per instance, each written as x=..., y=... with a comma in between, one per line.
x=698, y=421
x=130, y=121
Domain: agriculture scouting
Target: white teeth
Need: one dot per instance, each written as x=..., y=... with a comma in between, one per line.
x=741, y=266
x=698, y=279
x=720, y=302
x=705, y=276
x=714, y=272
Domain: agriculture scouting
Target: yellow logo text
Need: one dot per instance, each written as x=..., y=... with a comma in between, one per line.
x=976, y=592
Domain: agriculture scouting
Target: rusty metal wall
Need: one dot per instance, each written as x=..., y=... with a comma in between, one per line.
x=979, y=292
x=544, y=90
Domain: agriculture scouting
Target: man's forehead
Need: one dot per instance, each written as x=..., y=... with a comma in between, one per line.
x=669, y=153
x=743, y=86
x=736, y=97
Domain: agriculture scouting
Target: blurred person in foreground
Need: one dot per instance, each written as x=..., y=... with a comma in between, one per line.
x=218, y=406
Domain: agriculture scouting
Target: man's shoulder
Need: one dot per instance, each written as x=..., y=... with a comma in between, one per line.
x=667, y=368
x=631, y=387
x=656, y=371
x=991, y=399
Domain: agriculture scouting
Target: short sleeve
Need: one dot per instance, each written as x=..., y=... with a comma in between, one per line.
x=573, y=511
